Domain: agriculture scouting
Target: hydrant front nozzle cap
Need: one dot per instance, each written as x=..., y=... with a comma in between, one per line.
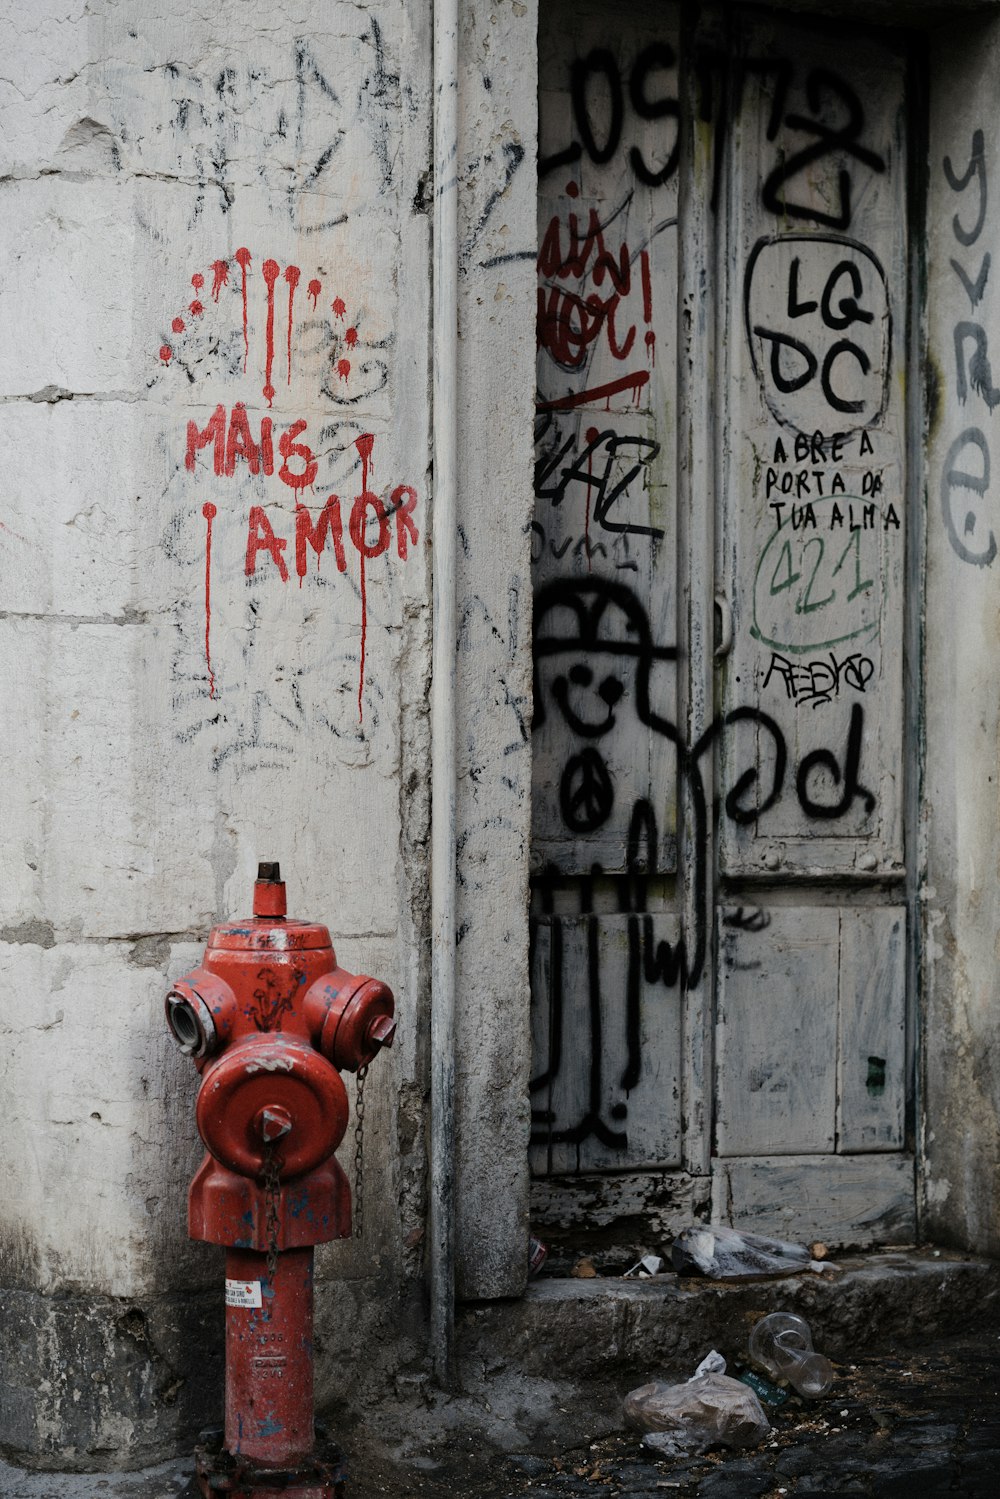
x=382, y=1030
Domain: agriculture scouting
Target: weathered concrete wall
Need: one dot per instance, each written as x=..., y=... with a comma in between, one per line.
x=213, y=222
x=961, y=1017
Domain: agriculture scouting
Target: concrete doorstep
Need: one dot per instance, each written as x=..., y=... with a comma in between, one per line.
x=542, y=1380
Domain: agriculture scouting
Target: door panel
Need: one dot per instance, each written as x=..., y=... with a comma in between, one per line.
x=776, y=1032
x=871, y=1056
x=604, y=544
x=812, y=556
x=799, y=989
x=857, y=1200
x=607, y=1043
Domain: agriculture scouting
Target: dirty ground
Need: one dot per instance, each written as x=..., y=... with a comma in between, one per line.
x=917, y=1425
x=921, y=1423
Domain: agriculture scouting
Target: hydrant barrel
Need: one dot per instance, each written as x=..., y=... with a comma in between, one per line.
x=269, y=1359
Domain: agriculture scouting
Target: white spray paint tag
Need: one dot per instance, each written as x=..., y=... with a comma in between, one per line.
x=243, y=1293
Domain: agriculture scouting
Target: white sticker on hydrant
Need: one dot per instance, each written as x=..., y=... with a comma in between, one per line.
x=243, y=1293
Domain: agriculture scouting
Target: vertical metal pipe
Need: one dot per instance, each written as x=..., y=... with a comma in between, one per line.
x=443, y=780
x=698, y=292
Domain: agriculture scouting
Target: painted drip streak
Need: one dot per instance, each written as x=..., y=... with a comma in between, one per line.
x=647, y=304
x=243, y=260
x=292, y=277
x=592, y=436
x=270, y=271
x=208, y=510
x=364, y=445
x=633, y=382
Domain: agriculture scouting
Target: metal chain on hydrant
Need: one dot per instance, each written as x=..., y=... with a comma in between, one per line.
x=272, y=1196
x=359, y=1163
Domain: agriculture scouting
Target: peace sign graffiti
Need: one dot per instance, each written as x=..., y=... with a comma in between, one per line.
x=586, y=793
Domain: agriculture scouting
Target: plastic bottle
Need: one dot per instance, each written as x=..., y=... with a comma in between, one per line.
x=781, y=1344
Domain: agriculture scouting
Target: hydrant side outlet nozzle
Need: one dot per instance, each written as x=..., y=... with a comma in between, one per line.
x=269, y=1019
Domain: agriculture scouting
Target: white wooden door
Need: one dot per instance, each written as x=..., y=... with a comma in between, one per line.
x=720, y=905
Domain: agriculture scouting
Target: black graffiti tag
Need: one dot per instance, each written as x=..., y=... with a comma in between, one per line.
x=600, y=68
x=823, y=87
x=586, y=792
x=603, y=622
x=967, y=465
x=955, y=478
x=605, y=463
x=831, y=329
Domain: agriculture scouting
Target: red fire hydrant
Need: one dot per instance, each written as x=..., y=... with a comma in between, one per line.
x=268, y=1020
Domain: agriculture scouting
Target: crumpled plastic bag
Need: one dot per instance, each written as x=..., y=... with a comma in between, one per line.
x=725, y=1254
x=709, y=1410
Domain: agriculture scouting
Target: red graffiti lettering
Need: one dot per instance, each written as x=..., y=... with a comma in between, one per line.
x=569, y=322
x=240, y=443
x=306, y=534
x=404, y=502
x=261, y=537
x=214, y=432
x=289, y=448
x=359, y=522
x=266, y=445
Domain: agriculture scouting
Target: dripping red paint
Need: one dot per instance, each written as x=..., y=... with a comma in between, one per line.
x=364, y=445
x=208, y=510
x=292, y=277
x=242, y=258
x=270, y=270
